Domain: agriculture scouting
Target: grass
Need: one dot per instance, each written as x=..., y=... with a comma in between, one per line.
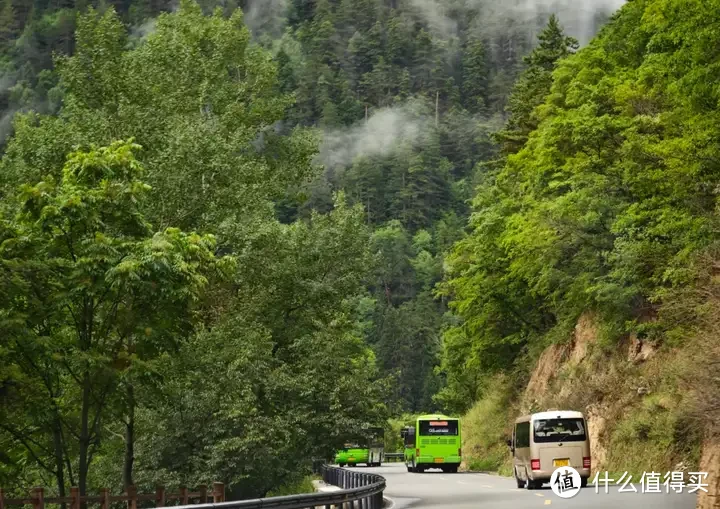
x=304, y=485
x=486, y=427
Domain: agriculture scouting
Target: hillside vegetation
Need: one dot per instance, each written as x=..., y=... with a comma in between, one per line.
x=609, y=208
x=232, y=234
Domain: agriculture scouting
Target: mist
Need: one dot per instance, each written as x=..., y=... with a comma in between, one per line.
x=579, y=17
x=266, y=16
x=143, y=30
x=384, y=132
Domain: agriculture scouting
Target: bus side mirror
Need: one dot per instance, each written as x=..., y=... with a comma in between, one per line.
x=509, y=443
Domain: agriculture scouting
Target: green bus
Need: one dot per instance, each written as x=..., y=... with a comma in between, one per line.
x=368, y=449
x=433, y=442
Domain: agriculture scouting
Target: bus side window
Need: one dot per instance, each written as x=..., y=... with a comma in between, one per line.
x=522, y=435
x=410, y=438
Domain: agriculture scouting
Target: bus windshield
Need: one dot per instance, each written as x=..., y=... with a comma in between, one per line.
x=433, y=428
x=559, y=430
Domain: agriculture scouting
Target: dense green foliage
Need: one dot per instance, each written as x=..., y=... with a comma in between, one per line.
x=605, y=207
x=392, y=205
x=234, y=356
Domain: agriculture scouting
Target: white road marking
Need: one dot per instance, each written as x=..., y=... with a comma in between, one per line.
x=486, y=486
x=539, y=495
x=548, y=502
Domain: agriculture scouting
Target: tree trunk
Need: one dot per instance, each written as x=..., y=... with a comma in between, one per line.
x=129, y=439
x=59, y=458
x=84, y=439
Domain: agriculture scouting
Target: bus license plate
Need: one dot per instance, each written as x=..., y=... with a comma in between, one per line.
x=351, y=459
x=439, y=460
x=561, y=463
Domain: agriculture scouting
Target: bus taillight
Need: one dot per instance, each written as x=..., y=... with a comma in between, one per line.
x=417, y=452
x=459, y=451
x=535, y=464
x=586, y=462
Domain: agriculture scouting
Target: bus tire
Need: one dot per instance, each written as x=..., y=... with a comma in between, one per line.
x=408, y=467
x=454, y=469
x=529, y=483
x=519, y=482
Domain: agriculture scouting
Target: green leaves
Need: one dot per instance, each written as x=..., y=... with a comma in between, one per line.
x=199, y=99
x=89, y=293
x=607, y=202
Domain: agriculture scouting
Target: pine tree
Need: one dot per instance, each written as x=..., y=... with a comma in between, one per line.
x=475, y=76
x=533, y=86
x=8, y=26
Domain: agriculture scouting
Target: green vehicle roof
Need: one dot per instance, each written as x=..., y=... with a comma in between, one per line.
x=436, y=417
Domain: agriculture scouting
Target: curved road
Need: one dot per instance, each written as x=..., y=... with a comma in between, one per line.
x=437, y=490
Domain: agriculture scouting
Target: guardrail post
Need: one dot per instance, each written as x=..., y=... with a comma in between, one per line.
x=38, y=498
x=74, y=497
x=184, y=495
x=105, y=498
x=2, y=499
x=203, y=494
x=160, y=496
x=218, y=492
x=132, y=496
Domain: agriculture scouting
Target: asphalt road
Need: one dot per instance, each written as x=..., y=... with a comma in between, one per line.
x=437, y=490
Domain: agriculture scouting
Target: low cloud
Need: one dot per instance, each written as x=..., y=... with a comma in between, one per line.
x=579, y=17
x=266, y=16
x=145, y=29
x=383, y=133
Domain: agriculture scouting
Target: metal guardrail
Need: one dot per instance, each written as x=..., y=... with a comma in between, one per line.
x=359, y=491
x=394, y=456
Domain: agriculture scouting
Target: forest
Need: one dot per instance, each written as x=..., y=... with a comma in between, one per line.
x=234, y=233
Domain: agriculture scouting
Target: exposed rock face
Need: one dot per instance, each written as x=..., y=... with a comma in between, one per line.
x=586, y=333
x=596, y=424
x=639, y=350
x=710, y=463
x=547, y=367
x=555, y=357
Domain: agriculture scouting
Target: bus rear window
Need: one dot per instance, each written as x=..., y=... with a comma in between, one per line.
x=559, y=430
x=431, y=428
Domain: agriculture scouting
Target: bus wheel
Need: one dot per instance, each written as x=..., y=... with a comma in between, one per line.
x=453, y=469
x=341, y=465
x=529, y=483
x=520, y=483
x=408, y=467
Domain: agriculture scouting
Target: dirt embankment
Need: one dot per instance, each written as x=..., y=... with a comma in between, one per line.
x=710, y=463
x=649, y=408
x=639, y=401
x=554, y=381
